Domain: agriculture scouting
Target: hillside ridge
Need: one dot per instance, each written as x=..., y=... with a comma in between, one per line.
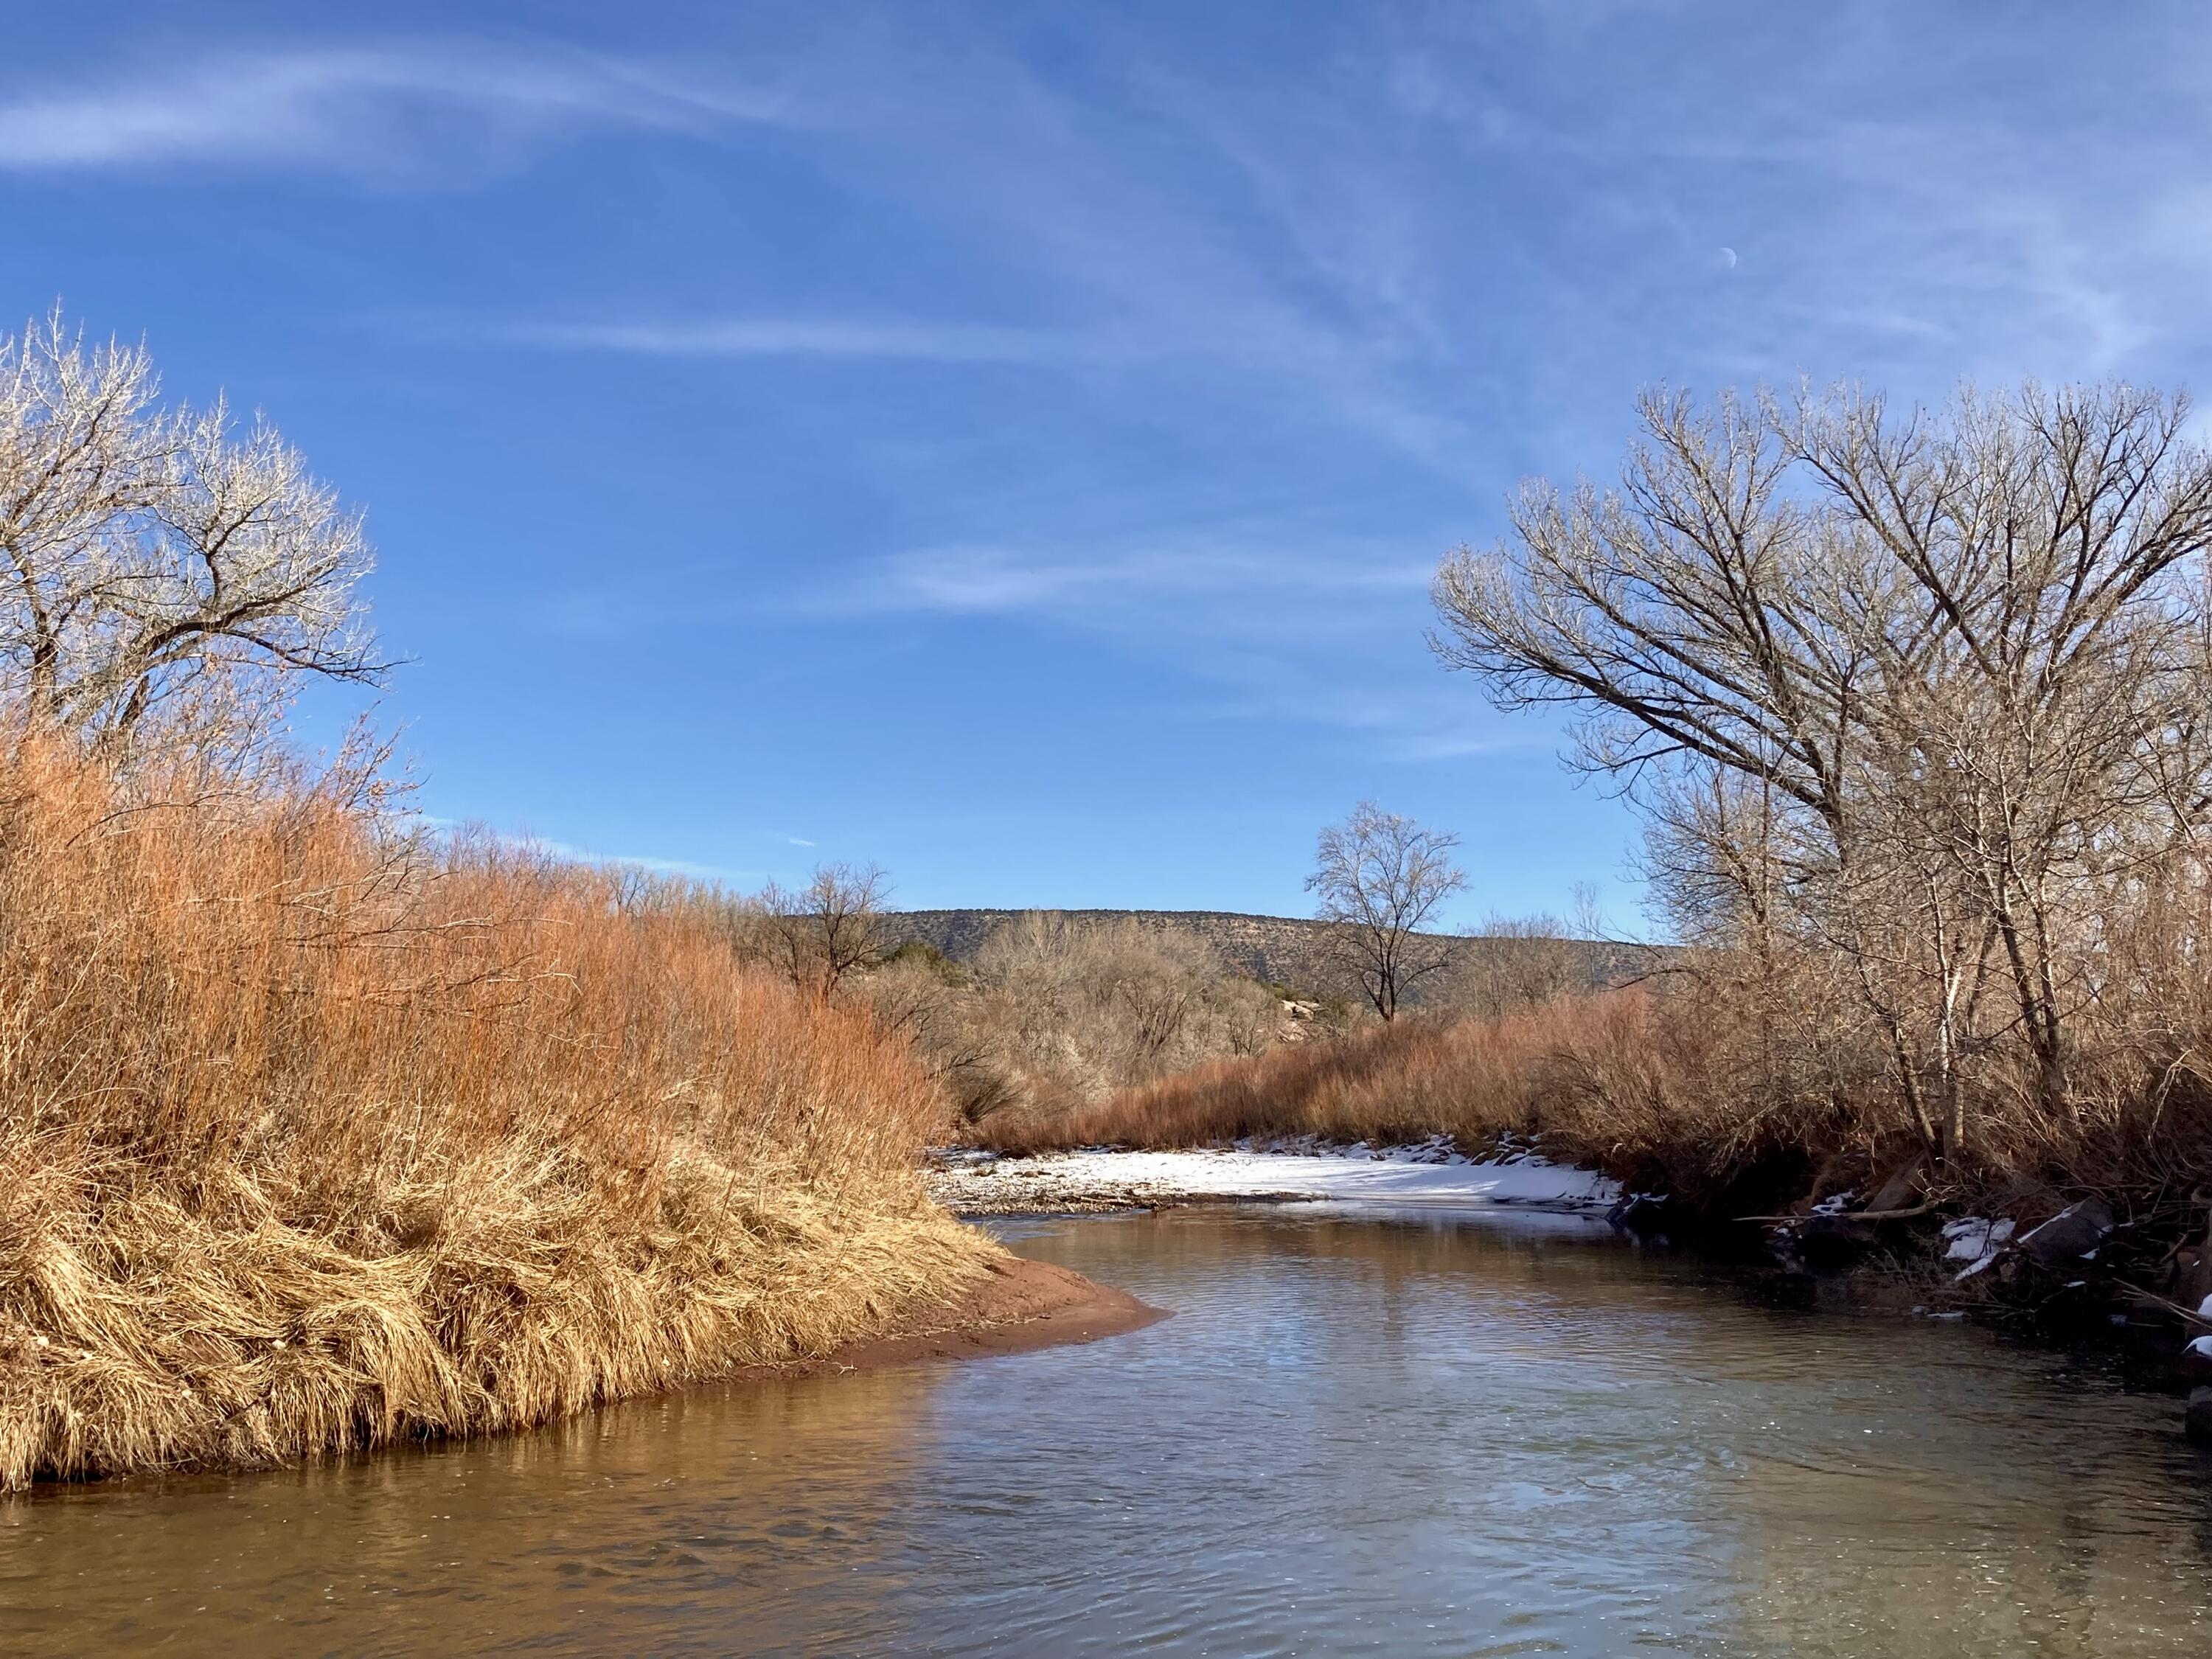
x=1288, y=951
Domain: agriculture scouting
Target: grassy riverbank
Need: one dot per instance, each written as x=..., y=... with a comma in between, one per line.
x=314, y=1137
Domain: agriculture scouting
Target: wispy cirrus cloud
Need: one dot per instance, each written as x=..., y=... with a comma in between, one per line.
x=1214, y=584
x=1227, y=348
x=367, y=108
x=568, y=851
x=658, y=867
x=1172, y=588
x=799, y=337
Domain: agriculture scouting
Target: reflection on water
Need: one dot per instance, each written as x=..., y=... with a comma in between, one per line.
x=1426, y=1434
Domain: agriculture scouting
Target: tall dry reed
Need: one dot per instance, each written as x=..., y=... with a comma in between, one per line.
x=313, y=1137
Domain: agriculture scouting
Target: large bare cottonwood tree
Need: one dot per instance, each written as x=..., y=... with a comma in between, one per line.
x=1953, y=661
x=159, y=564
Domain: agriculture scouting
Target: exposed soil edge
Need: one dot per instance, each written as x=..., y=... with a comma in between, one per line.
x=1016, y=1305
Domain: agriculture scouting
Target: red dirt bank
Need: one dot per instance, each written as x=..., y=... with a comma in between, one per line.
x=1018, y=1305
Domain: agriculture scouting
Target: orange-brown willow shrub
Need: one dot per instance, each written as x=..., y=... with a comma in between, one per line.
x=1705, y=1086
x=1600, y=1071
x=314, y=1137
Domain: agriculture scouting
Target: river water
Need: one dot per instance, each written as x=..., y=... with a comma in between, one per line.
x=1421, y=1434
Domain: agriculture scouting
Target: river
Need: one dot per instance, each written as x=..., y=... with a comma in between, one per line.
x=1419, y=1433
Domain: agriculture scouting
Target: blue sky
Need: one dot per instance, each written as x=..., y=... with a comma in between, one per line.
x=1010, y=443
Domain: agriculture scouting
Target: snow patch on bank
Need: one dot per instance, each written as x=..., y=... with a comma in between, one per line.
x=1397, y=1175
x=1975, y=1240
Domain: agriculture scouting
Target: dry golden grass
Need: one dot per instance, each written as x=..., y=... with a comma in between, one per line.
x=311, y=1139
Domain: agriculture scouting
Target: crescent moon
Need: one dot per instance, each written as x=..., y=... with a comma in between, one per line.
x=1728, y=255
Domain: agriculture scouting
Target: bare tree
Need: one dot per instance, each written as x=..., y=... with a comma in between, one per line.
x=159, y=563
x=1073, y=1007
x=931, y=1001
x=1951, y=659
x=1509, y=963
x=828, y=929
x=1381, y=878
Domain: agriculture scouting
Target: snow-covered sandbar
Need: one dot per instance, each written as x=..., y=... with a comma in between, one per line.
x=976, y=1184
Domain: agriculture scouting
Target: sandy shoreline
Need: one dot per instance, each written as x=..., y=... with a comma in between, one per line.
x=1018, y=1305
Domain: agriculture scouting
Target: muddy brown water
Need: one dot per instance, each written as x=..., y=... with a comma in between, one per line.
x=1461, y=1434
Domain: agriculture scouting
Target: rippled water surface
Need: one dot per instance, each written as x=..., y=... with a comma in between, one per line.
x=1420, y=1434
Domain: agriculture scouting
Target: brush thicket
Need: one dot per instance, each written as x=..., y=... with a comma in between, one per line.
x=1698, y=1088
x=314, y=1137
